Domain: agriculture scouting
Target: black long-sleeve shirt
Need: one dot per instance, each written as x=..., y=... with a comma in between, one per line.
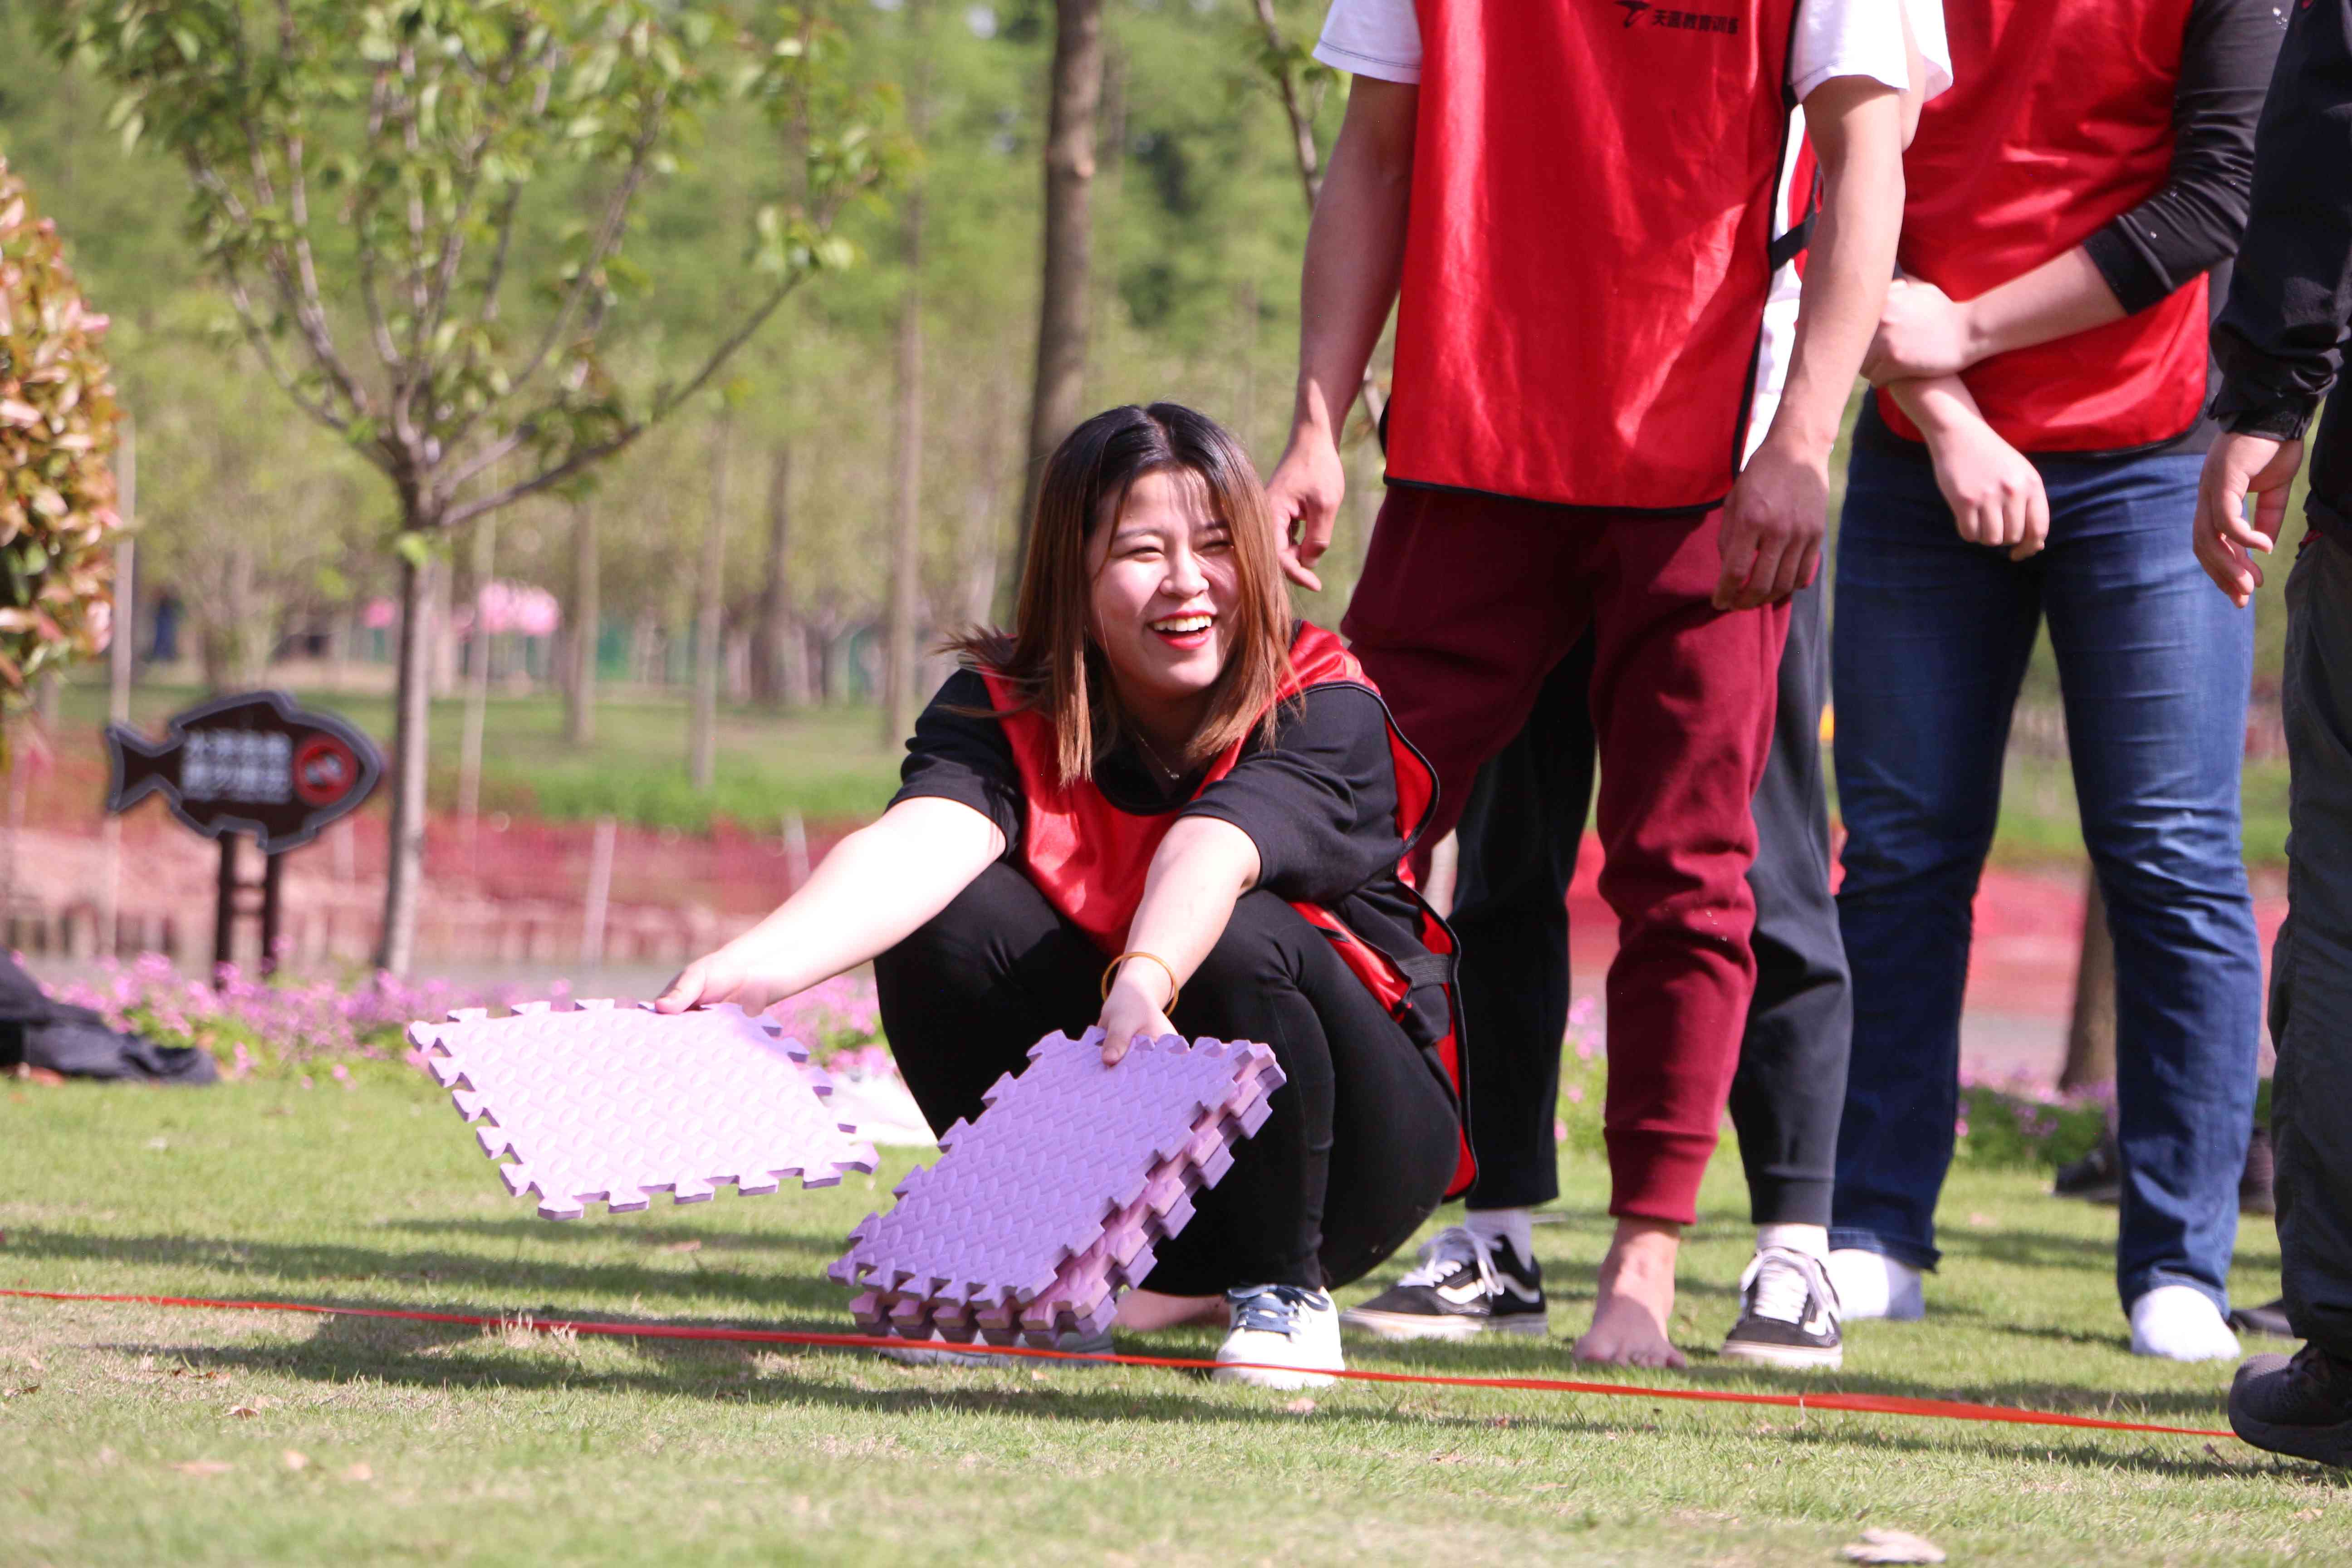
x=2281, y=340
x=1317, y=797
x=2192, y=222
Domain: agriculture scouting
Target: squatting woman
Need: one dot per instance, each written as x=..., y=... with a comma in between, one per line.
x=1159, y=784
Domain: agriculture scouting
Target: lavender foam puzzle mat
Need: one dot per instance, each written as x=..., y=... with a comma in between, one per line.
x=1037, y=1215
x=610, y=1104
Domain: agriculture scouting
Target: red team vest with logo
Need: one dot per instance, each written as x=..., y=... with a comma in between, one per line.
x=1090, y=858
x=2059, y=121
x=1594, y=192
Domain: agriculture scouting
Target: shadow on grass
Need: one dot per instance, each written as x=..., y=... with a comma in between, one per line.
x=261, y=1264
x=637, y=1230
x=421, y=1355
x=799, y=1299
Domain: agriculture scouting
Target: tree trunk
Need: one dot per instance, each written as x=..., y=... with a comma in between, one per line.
x=438, y=632
x=772, y=659
x=2091, y=1035
x=709, y=616
x=1056, y=399
x=478, y=678
x=899, y=654
x=587, y=621
x=411, y=692
x=981, y=562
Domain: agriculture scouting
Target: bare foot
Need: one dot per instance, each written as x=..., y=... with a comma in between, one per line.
x=1149, y=1311
x=1637, y=1298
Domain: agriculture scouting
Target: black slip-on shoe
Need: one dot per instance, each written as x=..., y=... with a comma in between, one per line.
x=2096, y=1178
x=2268, y=1320
x=1788, y=1313
x=1463, y=1285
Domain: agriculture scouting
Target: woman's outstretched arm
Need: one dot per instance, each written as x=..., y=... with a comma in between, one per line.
x=1202, y=867
x=877, y=888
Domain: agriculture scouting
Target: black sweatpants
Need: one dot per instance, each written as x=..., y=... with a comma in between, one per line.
x=1363, y=1135
x=1519, y=837
x=2311, y=968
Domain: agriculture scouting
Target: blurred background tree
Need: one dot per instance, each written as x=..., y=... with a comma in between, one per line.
x=358, y=175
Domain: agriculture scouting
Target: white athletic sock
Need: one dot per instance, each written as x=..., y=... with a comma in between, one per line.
x=1514, y=1225
x=1812, y=1240
x=1873, y=1285
x=2179, y=1324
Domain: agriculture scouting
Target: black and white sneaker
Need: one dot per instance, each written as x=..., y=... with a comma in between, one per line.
x=1788, y=1313
x=1463, y=1286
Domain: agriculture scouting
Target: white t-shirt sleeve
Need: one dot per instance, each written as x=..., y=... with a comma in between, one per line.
x=1855, y=37
x=1935, y=46
x=1380, y=38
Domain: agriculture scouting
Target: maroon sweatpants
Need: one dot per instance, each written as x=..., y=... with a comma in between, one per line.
x=1466, y=603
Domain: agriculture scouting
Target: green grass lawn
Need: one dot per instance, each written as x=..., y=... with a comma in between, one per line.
x=130, y=1434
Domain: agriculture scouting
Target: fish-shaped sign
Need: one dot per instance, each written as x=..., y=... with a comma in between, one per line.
x=249, y=763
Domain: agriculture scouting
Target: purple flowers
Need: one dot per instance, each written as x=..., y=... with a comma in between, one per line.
x=248, y=1022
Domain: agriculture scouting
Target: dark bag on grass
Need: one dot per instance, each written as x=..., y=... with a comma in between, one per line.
x=74, y=1041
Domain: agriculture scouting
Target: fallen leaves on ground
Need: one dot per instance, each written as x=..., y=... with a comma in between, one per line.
x=204, y=1468
x=295, y=1460
x=1879, y=1545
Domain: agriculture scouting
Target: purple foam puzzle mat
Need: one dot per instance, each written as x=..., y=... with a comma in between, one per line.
x=600, y=1103
x=1039, y=1213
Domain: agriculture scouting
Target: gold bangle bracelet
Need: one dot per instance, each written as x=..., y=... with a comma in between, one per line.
x=1111, y=969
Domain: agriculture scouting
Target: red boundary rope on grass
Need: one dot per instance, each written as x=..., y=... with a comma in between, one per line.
x=1860, y=1404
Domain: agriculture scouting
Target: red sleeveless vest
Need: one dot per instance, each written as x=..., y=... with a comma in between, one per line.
x=1090, y=858
x=1588, y=255
x=2059, y=120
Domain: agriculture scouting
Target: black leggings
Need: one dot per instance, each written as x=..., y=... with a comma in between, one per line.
x=1362, y=1139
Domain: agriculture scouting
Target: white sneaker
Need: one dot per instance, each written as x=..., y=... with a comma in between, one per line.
x=1873, y=1285
x=2179, y=1324
x=1289, y=1334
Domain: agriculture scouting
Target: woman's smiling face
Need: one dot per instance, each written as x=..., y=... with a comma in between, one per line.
x=1165, y=587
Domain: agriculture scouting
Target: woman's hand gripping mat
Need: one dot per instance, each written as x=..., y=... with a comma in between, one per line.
x=612, y=1104
x=1037, y=1215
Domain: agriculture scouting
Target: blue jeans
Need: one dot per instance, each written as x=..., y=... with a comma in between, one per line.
x=1929, y=642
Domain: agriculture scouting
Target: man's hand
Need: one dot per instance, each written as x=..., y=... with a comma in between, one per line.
x=1771, y=528
x=2240, y=464
x=1922, y=332
x=1995, y=495
x=1304, y=496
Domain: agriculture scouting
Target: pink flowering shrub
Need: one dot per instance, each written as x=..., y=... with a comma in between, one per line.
x=2022, y=1122
x=834, y=1017
x=292, y=1025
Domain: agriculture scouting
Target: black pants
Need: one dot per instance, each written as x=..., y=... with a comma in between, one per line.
x=1519, y=837
x=1363, y=1137
x=2311, y=969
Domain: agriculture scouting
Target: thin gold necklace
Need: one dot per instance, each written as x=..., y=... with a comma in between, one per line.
x=1152, y=752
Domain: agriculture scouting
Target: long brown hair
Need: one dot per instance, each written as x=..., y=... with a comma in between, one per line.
x=1050, y=658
